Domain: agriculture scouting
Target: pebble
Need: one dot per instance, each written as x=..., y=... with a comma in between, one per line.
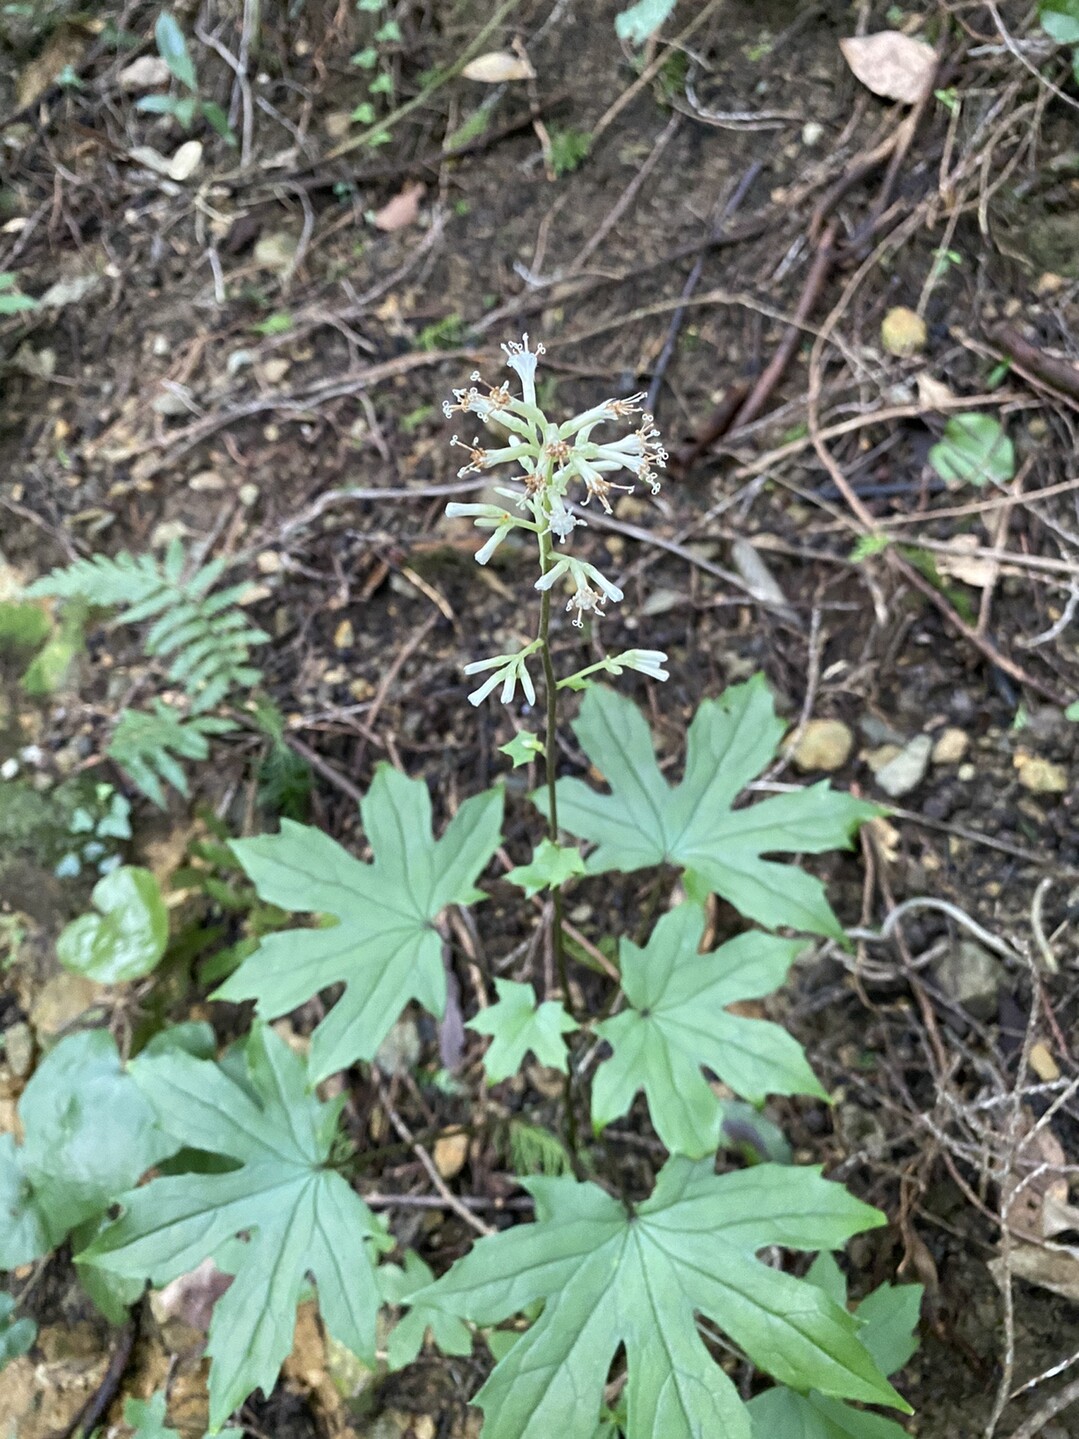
x=275, y=371
x=248, y=494
x=449, y=1154
x=950, y=746
x=907, y=769
x=1040, y=776
x=970, y=975
x=206, y=480
x=19, y=1049
x=825, y=744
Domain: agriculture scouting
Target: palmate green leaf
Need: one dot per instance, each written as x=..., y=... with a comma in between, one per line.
x=384, y=947
x=299, y=1216
x=886, y=1318
x=518, y=1024
x=611, y=1277
x=973, y=450
x=645, y=822
x=550, y=867
x=72, y=1164
x=678, y=1022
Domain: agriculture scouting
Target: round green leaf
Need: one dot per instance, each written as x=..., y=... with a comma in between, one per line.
x=127, y=939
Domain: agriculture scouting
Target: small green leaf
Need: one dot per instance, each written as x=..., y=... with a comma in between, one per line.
x=644, y=822
x=365, y=59
x=389, y=34
x=408, y=1334
x=642, y=20
x=16, y=1335
x=614, y=1275
x=147, y=1417
x=127, y=939
x=297, y=1214
x=384, y=947
x=173, y=50
x=518, y=1025
x=1060, y=20
x=71, y=1165
x=868, y=545
x=276, y=324
x=551, y=865
x=523, y=748
x=973, y=450
x=889, y=1318
x=678, y=1025
x=364, y=113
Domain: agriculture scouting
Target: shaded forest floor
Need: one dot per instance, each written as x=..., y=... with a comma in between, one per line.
x=247, y=347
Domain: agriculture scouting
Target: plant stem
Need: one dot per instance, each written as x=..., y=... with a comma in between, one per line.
x=551, y=687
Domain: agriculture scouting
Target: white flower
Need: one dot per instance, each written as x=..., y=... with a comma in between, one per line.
x=487, y=517
x=520, y=358
x=582, y=575
x=508, y=669
x=560, y=520
x=648, y=662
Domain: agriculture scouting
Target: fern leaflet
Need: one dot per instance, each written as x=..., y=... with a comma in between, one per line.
x=206, y=637
x=146, y=744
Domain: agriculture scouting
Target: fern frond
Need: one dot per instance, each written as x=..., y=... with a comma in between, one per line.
x=536, y=1151
x=150, y=744
x=207, y=636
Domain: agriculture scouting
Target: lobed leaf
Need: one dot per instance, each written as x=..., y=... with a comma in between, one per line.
x=644, y=821
x=612, y=1275
x=299, y=1216
x=677, y=1024
x=384, y=947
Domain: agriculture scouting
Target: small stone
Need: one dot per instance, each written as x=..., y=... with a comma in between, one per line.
x=337, y=124
x=344, y=637
x=950, y=747
x=148, y=72
x=206, y=480
x=161, y=346
x=971, y=976
x=19, y=1049
x=268, y=562
x=173, y=402
x=965, y=773
x=907, y=770
x=883, y=754
x=812, y=133
x=248, y=494
x=401, y=1049
x=1043, y=1063
x=450, y=1153
x=276, y=251
x=1040, y=776
x=275, y=371
x=825, y=744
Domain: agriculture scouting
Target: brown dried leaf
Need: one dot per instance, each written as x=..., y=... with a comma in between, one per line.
x=498, y=66
x=400, y=212
x=893, y=66
x=66, y=46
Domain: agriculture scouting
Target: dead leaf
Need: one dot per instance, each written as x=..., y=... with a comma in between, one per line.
x=893, y=66
x=191, y=1297
x=69, y=291
x=958, y=564
x=1051, y=1266
x=933, y=394
x=400, y=212
x=498, y=66
x=66, y=46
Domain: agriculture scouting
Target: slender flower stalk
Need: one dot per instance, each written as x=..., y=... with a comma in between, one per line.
x=561, y=468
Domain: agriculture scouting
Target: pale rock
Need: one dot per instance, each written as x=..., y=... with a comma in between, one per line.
x=950, y=746
x=276, y=251
x=148, y=72
x=970, y=975
x=825, y=744
x=248, y=494
x=19, y=1049
x=173, y=401
x=206, y=480
x=907, y=770
x=274, y=371
x=450, y=1153
x=1040, y=776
